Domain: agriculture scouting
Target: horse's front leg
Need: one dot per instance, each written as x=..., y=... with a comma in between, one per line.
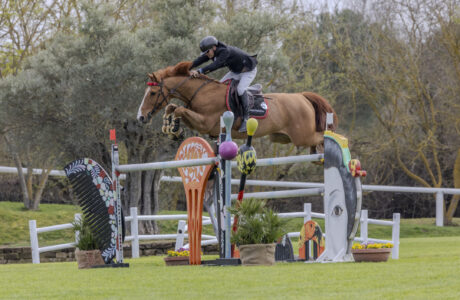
x=171, y=124
x=193, y=120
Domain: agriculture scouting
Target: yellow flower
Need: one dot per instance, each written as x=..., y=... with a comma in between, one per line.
x=372, y=246
x=357, y=246
x=178, y=253
x=388, y=245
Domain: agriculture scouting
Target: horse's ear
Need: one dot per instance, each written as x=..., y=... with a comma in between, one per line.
x=183, y=68
x=154, y=77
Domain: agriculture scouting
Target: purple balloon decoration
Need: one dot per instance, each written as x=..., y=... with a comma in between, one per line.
x=228, y=150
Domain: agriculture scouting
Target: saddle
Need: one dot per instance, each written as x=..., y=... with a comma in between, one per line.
x=258, y=107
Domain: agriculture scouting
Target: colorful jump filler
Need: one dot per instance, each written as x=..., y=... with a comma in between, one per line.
x=311, y=233
x=342, y=198
x=195, y=180
x=98, y=197
x=246, y=161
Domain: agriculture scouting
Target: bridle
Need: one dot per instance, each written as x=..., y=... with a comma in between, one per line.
x=158, y=104
x=173, y=91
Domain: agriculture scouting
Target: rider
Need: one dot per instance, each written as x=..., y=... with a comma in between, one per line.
x=242, y=67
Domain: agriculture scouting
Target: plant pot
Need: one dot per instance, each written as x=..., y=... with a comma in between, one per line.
x=257, y=254
x=88, y=258
x=176, y=260
x=371, y=255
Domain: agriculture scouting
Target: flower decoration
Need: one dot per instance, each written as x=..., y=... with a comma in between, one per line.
x=372, y=245
x=179, y=252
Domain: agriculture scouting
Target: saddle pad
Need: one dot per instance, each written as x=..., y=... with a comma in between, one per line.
x=258, y=107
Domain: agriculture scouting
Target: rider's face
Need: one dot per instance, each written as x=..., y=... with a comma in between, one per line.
x=210, y=53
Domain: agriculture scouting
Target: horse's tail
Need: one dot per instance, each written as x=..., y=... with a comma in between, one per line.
x=322, y=107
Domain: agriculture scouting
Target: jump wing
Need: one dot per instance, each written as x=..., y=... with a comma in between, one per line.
x=96, y=195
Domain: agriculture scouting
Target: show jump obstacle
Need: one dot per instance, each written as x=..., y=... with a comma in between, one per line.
x=195, y=160
x=195, y=180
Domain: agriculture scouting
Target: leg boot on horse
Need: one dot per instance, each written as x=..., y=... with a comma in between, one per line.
x=245, y=104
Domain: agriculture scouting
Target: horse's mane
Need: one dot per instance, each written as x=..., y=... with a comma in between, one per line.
x=181, y=69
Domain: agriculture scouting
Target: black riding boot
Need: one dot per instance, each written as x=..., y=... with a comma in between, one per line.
x=245, y=104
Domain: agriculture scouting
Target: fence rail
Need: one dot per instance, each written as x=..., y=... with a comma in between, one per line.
x=180, y=236
x=439, y=192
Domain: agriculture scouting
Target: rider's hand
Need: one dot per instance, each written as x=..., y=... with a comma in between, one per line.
x=194, y=73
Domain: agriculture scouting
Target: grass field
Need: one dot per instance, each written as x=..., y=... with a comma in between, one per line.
x=428, y=268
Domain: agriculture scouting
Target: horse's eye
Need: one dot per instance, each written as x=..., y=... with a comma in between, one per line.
x=152, y=93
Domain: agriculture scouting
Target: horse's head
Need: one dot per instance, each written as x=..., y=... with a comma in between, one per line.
x=156, y=94
x=155, y=98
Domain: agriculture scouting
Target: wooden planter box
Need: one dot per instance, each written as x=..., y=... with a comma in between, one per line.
x=176, y=260
x=88, y=258
x=257, y=254
x=371, y=255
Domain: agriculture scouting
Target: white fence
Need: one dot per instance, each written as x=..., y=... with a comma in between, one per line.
x=135, y=237
x=439, y=192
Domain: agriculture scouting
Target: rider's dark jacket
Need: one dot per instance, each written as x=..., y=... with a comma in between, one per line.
x=227, y=56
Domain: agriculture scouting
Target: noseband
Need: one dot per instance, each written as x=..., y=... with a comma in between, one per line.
x=158, y=103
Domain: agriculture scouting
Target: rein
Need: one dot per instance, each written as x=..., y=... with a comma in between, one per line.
x=174, y=91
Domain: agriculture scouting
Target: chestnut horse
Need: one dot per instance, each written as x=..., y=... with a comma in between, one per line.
x=298, y=118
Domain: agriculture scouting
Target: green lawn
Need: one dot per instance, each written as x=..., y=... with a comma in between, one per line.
x=428, y=268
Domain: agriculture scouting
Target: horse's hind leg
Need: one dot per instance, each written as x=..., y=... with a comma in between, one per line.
x=317, y=143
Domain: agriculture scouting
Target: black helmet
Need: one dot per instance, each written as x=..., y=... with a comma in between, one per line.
x=207, y=43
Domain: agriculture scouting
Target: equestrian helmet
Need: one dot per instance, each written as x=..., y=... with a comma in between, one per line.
x=207, y=43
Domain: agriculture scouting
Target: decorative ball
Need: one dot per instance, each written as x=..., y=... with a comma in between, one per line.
x=228, y=150
x=246, y=159
x=251, y=125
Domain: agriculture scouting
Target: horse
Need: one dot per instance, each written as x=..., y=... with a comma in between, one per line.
x=297, y=118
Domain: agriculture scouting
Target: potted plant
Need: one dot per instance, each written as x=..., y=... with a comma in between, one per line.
x=87, y=251
x=177, y=258
x=258, y=229
x=371, y=252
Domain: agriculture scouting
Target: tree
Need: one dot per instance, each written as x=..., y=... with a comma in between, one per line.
x=407, y=70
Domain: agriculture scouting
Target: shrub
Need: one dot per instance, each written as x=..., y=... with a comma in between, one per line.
x=257, y=224
x=86, y=239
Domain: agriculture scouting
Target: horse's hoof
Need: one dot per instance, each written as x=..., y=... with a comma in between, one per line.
x=319, y=163
x=176, y=127
x=180, y=134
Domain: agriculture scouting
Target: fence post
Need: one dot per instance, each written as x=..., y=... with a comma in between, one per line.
x=307, y=211
x=364, y=223
x=395, y=235
x=180, y=235
x=77, y=218
x=134, y=233
x=34, y=241
x=440, y=209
